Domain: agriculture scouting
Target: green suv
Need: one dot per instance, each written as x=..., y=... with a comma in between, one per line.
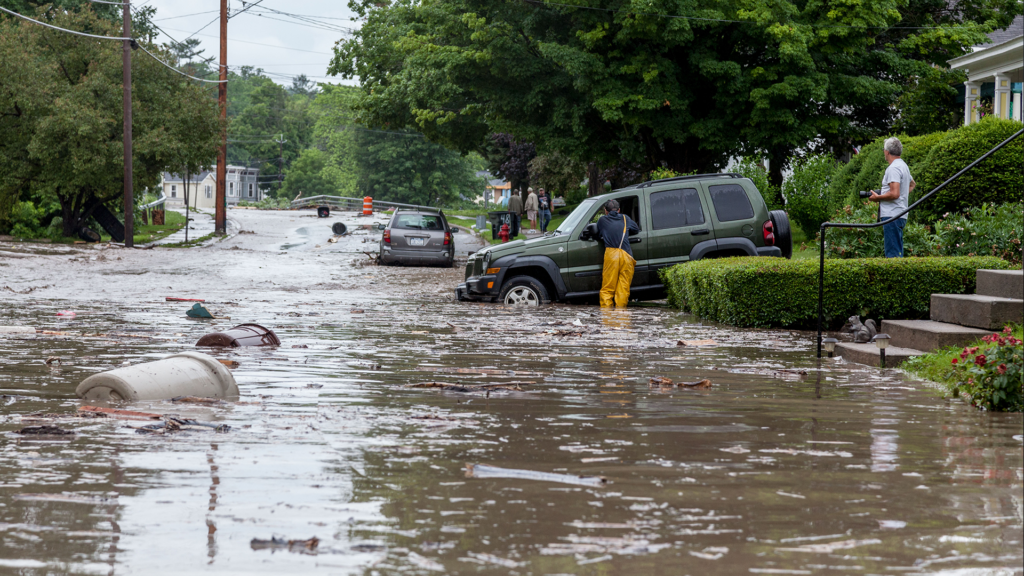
x=681, y=219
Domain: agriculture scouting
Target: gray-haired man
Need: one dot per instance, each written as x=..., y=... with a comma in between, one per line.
x=897, y=184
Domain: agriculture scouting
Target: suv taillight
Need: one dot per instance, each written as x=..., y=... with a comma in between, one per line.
x=387, y=236
x=447, y=238
x=769, y=233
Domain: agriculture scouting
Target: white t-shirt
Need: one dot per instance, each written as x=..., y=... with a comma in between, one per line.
x=898, y=171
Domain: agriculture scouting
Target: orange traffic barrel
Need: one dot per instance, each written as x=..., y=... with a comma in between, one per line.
x=367, y=206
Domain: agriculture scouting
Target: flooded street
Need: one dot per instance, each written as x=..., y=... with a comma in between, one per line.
x=783, y=466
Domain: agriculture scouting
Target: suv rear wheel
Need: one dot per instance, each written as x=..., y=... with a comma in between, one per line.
x=783, y=235
x=523, y=291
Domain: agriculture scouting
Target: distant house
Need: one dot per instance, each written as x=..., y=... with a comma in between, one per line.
x=995, y=71
x=497, y=189
x=242, y=185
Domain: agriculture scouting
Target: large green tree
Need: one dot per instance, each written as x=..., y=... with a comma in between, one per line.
x=61, y=121
x=678, y=83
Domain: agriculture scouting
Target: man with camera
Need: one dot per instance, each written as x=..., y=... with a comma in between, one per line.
x=897, y=184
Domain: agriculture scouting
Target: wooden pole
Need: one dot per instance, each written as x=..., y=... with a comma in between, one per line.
x=129, y=197
x=221, y=210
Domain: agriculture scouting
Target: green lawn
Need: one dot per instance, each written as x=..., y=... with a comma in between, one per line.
x=809, y=247
x=146, y=233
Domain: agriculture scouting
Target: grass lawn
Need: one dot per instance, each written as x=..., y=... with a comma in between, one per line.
x=803, y=249
x=146, y=233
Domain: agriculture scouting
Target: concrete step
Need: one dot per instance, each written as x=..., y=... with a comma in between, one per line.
x=868, y=354
x=1001, y=283
x=929, y=335
x=977, y=311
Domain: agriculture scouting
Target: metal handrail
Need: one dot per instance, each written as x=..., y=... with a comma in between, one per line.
x=827, y=225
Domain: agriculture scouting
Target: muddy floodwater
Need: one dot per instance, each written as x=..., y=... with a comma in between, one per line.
x=330, y=462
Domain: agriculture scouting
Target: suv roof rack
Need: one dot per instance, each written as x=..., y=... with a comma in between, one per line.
x=690, y=177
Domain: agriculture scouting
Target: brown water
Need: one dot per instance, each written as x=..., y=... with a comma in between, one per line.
x=842, y=470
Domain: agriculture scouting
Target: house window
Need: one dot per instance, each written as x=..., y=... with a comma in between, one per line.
x=209, y=191
x=231, y=189
x=174, y=191
x=250, y=190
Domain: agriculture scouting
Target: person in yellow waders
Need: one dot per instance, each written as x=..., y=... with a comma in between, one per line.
x=614, y=229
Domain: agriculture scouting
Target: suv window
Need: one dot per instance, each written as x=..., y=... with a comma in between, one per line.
x=675, y=209
x=628, y=205
x=418, y=222
x=731, y=202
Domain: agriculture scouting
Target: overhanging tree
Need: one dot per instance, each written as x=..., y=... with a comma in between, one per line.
x=683, y=84
x=61, y=116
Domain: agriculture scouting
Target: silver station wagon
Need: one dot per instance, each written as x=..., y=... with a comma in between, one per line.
x=417, y=237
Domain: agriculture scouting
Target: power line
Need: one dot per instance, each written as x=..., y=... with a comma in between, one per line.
x=186, y=15
x=169, y=67
x=254, y=43
x=77, y=33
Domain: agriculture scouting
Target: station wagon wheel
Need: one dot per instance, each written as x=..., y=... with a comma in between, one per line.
x=523, y=291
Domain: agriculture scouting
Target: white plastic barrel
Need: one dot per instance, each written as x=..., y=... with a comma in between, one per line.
x=183, y=374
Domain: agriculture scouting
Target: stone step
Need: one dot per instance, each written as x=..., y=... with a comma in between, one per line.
x=977, y=311
x=1001, y=283
x=929, y=335
x=868, y=354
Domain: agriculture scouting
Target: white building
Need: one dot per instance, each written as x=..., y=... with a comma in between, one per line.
x=995, y=70
x=242, y=185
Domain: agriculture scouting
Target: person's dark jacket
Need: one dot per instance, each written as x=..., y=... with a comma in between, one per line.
x=609, y=228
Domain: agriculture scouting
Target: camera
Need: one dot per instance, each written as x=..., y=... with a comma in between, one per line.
x=864, y=194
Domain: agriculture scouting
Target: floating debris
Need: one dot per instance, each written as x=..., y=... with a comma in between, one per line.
x=308, y=546
x=45, y=430
x=449, y=387
x=485, y=471
x=696, y=343
x=196, y=400
x=662, y=382
x=115, y=413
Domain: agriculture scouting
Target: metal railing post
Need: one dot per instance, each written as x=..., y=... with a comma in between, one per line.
x=821, y=285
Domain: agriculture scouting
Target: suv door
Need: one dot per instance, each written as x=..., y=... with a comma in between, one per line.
x=679, y=220
x=732, y=212
x=586, y=257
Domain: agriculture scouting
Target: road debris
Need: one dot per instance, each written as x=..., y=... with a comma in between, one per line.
x=662, y=382
x=52, y=361
x=116, y=413
x=66, y=313
x=485, y=471
x=173, y=299
x=45, y=430
x=198, y=311
x=241, y=335
x=302, y=546
x=447, y=386
x=229, y=363
x=171, y=425
x=182, y=374
x=696, y=343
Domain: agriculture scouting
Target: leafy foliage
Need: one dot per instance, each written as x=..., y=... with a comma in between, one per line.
x=806, y=191
x=869, y=242
x=510, y=160
x=306, y=176
x=752, y=291
x=929, y=103
x=986, y=230
x=615, y=82
x=61, y=117
x=557, y=173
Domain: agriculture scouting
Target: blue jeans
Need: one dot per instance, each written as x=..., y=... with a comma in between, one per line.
x=893, y=234
x=545, y=219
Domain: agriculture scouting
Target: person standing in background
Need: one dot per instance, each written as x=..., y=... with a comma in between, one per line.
x=515, y=206
x=544, y=203
x=531, y=208
x=897, y=184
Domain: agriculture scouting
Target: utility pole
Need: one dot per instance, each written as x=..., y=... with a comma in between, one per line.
x=221, y=210
x=280, y=168
x=129, y=195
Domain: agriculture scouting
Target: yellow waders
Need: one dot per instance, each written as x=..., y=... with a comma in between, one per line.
x=617, y=274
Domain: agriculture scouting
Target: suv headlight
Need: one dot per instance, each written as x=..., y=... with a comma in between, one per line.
x=487, y=259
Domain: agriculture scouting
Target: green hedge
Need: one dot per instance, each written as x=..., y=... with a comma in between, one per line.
x=754, y=291
x=932, y=159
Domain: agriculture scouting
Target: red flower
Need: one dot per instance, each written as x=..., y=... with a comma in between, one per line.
x=1007, y=330
x=955, y=360
x=979, y=359
x=1002, y=369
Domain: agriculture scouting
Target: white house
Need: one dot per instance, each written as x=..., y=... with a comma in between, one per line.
x=995, y=70
x=242, y=185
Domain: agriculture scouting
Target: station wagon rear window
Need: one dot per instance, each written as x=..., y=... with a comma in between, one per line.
x=676, y=209
x=418, y=222
x=731, y=202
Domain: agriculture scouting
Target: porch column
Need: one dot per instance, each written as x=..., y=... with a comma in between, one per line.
x=1001, y=106
x=972, y=91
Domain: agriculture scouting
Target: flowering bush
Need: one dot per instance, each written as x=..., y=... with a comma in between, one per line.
x=993, y=378
x=988, y=230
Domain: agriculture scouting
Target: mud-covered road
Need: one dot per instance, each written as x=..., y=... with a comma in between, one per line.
x=783, y=466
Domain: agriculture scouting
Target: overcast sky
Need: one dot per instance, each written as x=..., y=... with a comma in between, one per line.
x=262, y=37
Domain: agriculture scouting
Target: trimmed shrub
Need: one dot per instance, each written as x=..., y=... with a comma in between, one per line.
x=985, y=230
x=998, y=179
x=918, y=239
x=806, y=191
x=753, y=291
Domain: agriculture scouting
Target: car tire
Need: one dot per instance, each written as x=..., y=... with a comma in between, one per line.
x=783, y=234
x=523, y=291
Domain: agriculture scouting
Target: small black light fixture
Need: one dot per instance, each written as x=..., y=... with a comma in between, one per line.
x=829, y=344
x=882, y=341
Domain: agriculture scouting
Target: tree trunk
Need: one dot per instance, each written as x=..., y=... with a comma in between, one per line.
x=594, y=186
x=75, y=210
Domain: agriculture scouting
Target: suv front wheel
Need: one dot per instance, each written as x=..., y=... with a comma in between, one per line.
x=523, y=291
